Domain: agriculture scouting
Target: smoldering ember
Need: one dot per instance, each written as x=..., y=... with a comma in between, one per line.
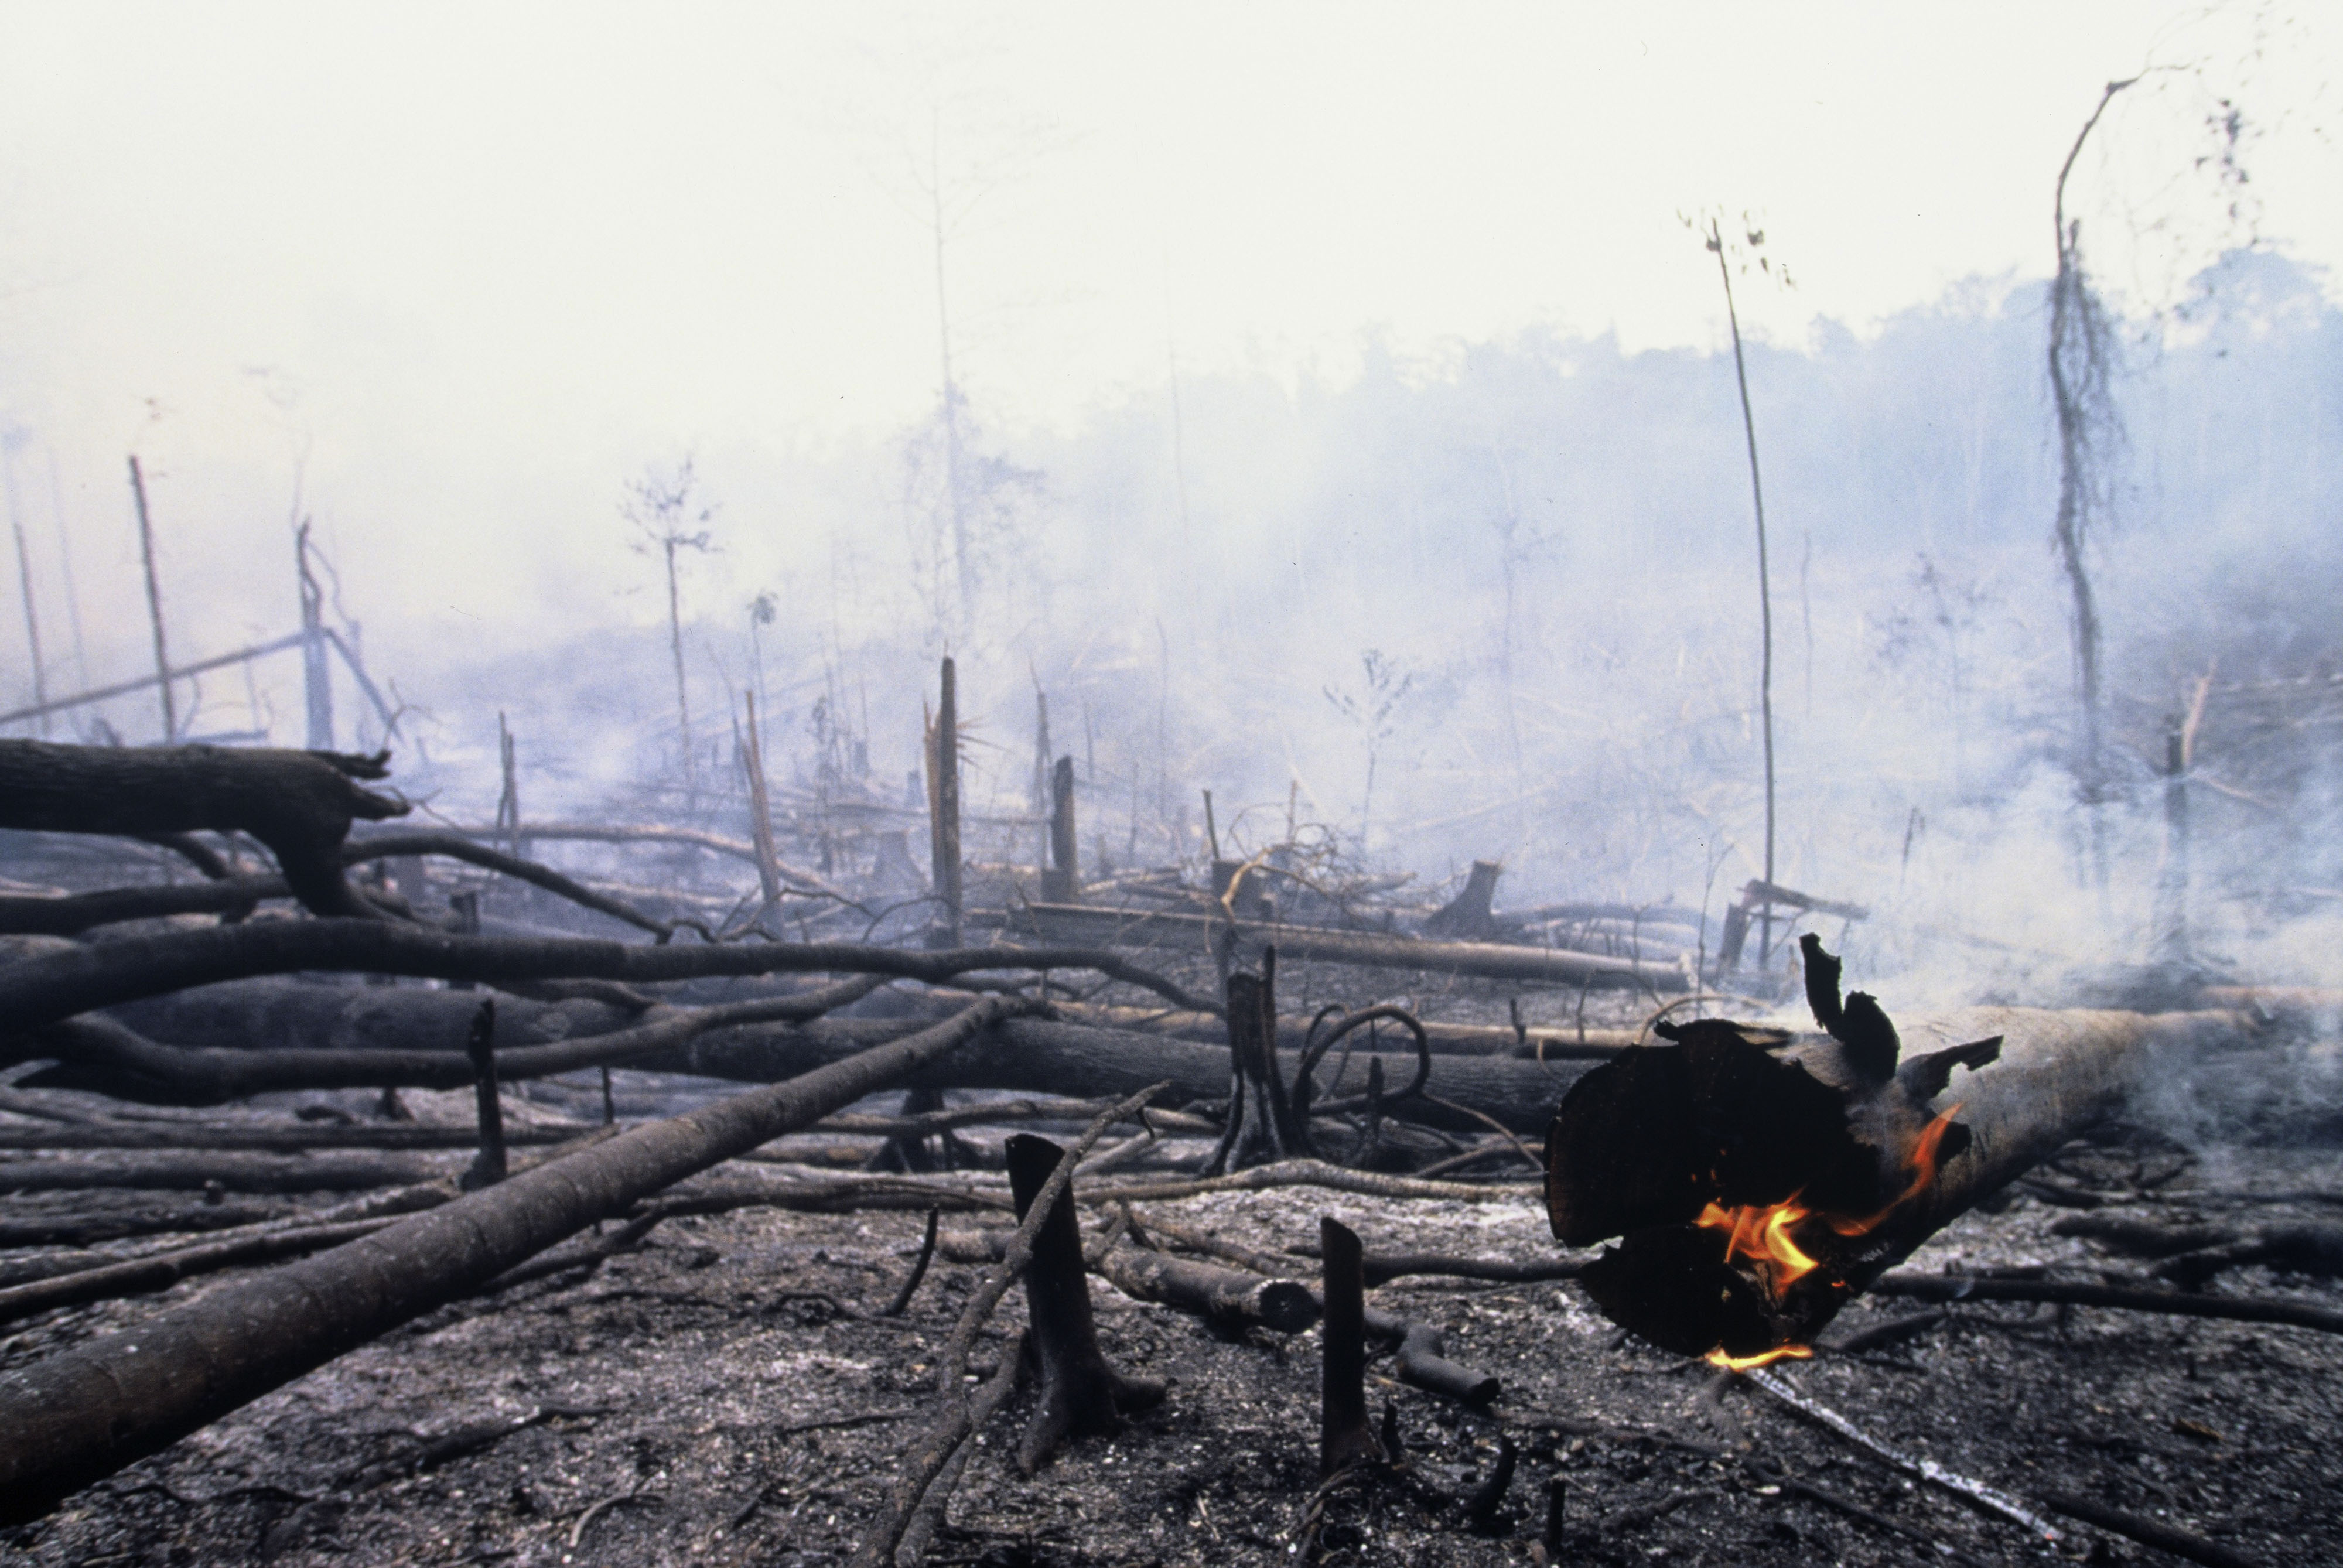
x=1713, y=940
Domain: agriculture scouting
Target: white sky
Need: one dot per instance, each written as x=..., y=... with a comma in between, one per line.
x=492, y=258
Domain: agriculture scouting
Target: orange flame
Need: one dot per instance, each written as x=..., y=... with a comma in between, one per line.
x=1922, y=1164
x=1718, y=1357
x=1763, y=1235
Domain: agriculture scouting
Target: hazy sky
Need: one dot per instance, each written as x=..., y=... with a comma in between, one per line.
x=482, y=261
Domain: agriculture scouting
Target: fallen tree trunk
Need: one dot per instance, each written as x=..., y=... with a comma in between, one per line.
x=298, y=803
x=228, y=1173
x=84, y=1414
x=238, y=1028
x=107, y=1056
x=1554, y=1042
x=275, y=1137
x=1363, y=949
x=1836, y=1163
x=55, y=985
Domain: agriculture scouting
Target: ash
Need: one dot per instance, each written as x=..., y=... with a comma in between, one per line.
x=729, y=1394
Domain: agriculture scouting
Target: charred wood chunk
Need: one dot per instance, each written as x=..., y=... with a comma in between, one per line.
x=1081, y=1395
x=1485, y=1502
x=1858, y=1024
x=1925, y=1077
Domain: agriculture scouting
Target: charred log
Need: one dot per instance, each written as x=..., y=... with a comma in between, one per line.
x=227, y=1172
x=300, y=804
x=233, y=1032
x=1490, y=961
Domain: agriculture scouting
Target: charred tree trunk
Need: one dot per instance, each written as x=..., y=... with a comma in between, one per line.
x=943, y=810
x=230, y=1041
x=298, y=803
x=1468, y=915
x=1061, y=884
x=82, y=1415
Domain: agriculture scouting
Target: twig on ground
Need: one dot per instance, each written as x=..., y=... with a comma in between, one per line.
x=895, y=1308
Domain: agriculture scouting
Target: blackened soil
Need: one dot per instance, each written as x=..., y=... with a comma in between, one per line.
x=729, y=1396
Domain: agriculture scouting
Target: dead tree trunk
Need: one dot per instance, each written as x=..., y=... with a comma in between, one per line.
x=1838, y=1164
x=298, y=803
x=943, y=810
x=1263, y=1123
x=154, y=602
x=80, y=1415
x=1061, y=884
x=1080, y=1394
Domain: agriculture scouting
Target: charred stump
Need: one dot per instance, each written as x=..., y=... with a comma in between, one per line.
x=1080, y=1394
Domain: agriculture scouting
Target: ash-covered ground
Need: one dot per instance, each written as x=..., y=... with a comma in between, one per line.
x=728, y=1394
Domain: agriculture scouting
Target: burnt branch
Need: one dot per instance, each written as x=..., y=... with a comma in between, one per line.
x=300, y=804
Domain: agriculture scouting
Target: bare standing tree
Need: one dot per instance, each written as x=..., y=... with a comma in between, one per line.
x=1371, y=708
x=2082, y=358
x=1727, y=253
x=669, y=515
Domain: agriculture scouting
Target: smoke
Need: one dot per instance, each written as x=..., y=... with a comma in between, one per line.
x=1514, y=584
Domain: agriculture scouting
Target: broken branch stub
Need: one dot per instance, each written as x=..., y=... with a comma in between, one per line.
x=1754, y=1190
x=1080, y=1394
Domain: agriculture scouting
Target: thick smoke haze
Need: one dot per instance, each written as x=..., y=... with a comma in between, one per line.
x=1377, y=463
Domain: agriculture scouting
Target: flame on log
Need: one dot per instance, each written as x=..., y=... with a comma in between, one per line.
x=1753, y=1184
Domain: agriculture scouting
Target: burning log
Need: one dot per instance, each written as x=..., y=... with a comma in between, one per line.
x=82, y=1415
x=1757, y=1187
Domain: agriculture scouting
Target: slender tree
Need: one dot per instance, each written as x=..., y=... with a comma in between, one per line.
x=2081, y=357
x=669, y=515
x=1716, y=242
